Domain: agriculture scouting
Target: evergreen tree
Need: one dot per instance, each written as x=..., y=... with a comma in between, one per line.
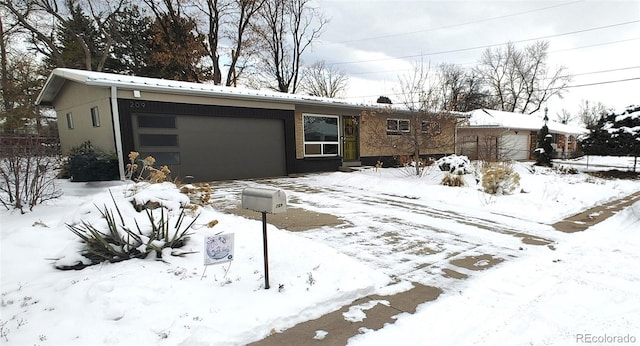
x=544, y=150
x=131, y=48
x=79, y=42
x=176, y=50
x=615, y=134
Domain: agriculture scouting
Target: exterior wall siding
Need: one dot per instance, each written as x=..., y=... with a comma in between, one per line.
x=83, y=129
x=377, y=142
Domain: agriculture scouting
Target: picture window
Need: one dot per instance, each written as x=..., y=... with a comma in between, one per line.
x=321, y=135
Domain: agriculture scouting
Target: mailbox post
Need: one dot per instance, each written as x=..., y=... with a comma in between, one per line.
x=264, y=201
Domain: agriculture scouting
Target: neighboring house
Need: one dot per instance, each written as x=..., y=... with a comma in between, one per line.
x=496, y=135
x=212, y=132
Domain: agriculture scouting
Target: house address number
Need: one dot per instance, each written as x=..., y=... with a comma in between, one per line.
x=137, y=104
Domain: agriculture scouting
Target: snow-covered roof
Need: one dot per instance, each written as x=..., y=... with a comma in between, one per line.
x=60, y=75
x=483, y=118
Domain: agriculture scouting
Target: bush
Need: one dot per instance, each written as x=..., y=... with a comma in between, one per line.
x=452, y=180
x=88, y=163
x=27, y=176
x=455, y=164
x=499, y=179
x=120, y=242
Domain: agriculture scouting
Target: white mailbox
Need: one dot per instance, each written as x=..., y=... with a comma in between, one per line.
x=264, y=200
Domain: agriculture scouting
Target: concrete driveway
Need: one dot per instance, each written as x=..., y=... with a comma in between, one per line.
x=401, y=235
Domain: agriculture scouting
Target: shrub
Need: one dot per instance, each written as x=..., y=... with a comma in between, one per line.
x=452, y=180
x=147, y=171
x=89, y=163
x=455, y=164
x=121, y=242
x=499, y=179
x=27, y=176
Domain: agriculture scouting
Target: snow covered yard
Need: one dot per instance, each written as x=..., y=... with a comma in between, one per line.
x=397, y=228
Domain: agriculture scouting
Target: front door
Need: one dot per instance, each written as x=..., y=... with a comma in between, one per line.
x=350, y=138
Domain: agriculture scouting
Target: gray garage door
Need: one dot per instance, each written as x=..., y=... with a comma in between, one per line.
x=213, y=148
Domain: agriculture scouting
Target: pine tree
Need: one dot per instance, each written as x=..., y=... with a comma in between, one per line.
x=544, y=150
x=132, y=43
x=176, y=50
x=79, y=42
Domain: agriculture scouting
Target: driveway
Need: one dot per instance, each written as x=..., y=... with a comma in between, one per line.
x=403, y=236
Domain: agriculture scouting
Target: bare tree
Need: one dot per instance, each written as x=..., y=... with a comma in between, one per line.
x=589, y=114
x=564, y=116
x=520, y=80
x=287, y=29
x=460, y=89
x=41, y=17
x=418, y=127
x=230, y=35
x=324, y=81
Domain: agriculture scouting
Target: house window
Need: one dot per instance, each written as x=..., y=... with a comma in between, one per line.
x=431, y=127
x=320, y=135
x=95, y=117
x=397, y=126
x=70, y=120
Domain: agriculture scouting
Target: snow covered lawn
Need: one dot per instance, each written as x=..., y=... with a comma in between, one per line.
x=397, y=228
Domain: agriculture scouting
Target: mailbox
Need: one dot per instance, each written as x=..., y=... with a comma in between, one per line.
x=264, y=200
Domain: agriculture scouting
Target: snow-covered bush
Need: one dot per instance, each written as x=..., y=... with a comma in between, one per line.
x=455, y=164
x=452, y=180
x=499, y=179
x=125, y=239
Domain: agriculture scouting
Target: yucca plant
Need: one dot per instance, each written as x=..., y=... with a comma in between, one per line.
x=119, y=242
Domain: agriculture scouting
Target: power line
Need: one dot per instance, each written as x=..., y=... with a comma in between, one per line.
x=594, y=45
x=551, y=52
x=486, y=46
x=600, y=83
x=453, y=25
x=565, y=87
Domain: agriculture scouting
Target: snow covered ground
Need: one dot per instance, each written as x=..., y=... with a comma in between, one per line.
x=545, y=287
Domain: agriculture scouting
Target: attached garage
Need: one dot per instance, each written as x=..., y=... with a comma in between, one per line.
x=212, y=148
x=209, y=142
x=515, y=146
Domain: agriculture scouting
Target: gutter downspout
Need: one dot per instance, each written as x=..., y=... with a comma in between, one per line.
x=116, y=131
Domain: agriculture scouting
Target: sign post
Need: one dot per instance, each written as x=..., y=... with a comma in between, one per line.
x=265, y=250
x=264, y=201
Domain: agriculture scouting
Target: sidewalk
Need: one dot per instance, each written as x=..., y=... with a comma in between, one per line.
x=338, y=329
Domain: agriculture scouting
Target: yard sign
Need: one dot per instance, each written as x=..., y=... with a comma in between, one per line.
x=218, y=248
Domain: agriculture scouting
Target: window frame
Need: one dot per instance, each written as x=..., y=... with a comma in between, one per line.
x=69, y=116
x=95, y=117
x=398, y=129
x=322, y=144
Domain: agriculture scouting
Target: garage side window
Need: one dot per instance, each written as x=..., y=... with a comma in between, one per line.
x=320, y=135
x=95, y=117
x=69, y=120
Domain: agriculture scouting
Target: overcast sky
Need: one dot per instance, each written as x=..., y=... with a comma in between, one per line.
x=375, y=41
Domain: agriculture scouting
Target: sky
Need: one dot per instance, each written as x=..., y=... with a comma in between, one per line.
x=374, y=42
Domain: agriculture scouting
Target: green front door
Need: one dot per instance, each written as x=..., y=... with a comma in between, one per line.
x=350, y=135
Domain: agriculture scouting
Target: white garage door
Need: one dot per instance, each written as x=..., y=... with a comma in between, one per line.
x=515, y=147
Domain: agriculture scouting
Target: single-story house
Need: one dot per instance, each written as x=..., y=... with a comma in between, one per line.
x=496, y=135
x=213, y=132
